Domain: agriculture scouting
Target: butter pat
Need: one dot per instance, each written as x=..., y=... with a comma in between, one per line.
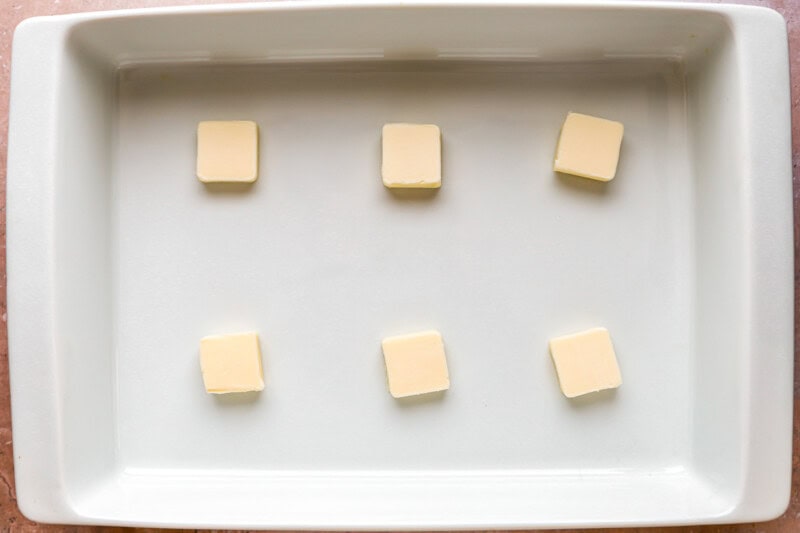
x=585, y=362
x=412, y=156
x=227, y=151
x=589, y=147
x=231, y=363
x=415, y=364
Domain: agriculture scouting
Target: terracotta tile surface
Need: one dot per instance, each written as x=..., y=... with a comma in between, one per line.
x=13, y=11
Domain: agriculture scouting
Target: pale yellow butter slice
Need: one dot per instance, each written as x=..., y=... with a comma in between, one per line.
x=415, y=364
x=231, y=363
x=585, y=362
x=589, y=147
x=412, y=156
x=227, y=151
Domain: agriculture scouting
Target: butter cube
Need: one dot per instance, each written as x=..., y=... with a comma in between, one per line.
x=589, y=147
x=227, y=151
x=412, y=156
x=585, y=362
x=231, y=363
x=415, y=364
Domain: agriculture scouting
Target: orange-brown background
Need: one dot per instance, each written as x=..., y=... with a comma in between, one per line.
x=14, y=11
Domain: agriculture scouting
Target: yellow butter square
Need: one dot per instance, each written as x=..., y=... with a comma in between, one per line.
x=231, y=363
x=585, y=362
x=415, y=364
x=589, y=147
x=227, y=151
x=412, y=156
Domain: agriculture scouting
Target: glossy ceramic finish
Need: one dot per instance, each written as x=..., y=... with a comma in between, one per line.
x=183, y=82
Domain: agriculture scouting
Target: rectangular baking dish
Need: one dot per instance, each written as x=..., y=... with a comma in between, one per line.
x=119, y=261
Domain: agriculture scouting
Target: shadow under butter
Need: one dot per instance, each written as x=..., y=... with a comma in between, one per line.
x=410, y=195
x=237, y=398
x=232, y=188
x=585, y=185
x=593, y=398
x=421, y=399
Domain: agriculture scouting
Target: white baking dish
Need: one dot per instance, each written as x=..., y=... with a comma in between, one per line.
x=119, y=260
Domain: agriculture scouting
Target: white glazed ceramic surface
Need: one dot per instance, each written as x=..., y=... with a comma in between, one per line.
x=119, y=261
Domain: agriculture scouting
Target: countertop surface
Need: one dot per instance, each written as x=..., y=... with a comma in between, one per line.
x=14, y=11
